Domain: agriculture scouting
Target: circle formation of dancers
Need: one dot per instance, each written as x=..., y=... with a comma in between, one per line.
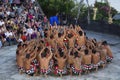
x=63, y=50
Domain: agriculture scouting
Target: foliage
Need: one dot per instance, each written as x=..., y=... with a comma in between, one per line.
x=103, y=10
x=116, y=22
x=52, y=7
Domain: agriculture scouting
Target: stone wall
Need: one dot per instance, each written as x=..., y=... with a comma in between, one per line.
x=102, y=27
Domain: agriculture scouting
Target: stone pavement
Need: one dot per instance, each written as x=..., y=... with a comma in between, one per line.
x=8, y=69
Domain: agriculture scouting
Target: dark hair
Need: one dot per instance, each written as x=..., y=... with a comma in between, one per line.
x=104, y=43
x=17, y=52
x=70, y=35
x=46, y=29
x=71, y=53
x=76, y=54
x=24, y=45
x=45, y=34
x=39, y=48
x=35, y=47
x=90, y=47
x=51, y=36
x=60, y=49
x=61, y=54
x=95, y=40
x=79, y=48
x=43, y=54
x=80, y=33
x=19, y=44
x=59, y=35
x=93, y=51
x=85, y=33
x=42, y=41
x=27, y=56
x=46, y=50
x=86, y=51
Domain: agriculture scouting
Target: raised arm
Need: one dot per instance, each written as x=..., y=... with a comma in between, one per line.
x=33, y=56
x=51, y=54
x=41, y=51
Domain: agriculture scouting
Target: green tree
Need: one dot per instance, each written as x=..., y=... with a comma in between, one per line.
x=51, y=7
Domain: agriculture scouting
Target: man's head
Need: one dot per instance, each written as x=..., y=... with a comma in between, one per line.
x=86, y=51
x=43, y=54
x=72, y=52
x=93, y=51
x=104, y=43
x=51, y=36
x=70, y=35
x=59, y=35
x=80, y=33
x=28, y=56
x=46, y=50
x=76, y=54
x=79, y=48
x=61, y=54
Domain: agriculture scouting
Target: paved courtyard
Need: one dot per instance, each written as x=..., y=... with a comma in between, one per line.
x=8, y=69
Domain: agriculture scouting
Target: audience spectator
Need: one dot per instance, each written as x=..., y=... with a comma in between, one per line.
x=20, y=21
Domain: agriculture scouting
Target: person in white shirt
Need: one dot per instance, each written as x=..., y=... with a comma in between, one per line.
x=30, y=31
x=10, y=37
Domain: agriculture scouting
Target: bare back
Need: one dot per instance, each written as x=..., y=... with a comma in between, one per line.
x=87, y=59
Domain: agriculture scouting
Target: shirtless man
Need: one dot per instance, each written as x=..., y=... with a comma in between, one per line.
x=103, y=54
x=30, y=69
x=109, y=52
x=61, y=63
x=61, y=38
x=44, y=60
x=71, y=40
x=87, y=66
x=80, y=39
x=76, y=68
x=52, y=42
x=95, y=59
x=20, y=57
x=70, y=59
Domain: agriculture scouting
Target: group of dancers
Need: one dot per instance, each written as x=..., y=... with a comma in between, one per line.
x=62, y=50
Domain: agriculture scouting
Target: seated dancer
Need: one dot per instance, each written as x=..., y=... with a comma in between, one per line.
x=87, y=66
x=61, y=60
x=20, y=57
x=60, y=39
x=76, y=68
x=103, y=54
x=80, y=38
x=109, y=52
x=44, y=59
x=30, y=69
x=71, y=40
x=95, y=59
x=52, y=41
x=70, y=59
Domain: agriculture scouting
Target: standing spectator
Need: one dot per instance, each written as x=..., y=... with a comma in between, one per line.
x=45, y=20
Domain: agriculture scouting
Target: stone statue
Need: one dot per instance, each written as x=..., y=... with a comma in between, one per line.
x=95, y=11
x=110, y=20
